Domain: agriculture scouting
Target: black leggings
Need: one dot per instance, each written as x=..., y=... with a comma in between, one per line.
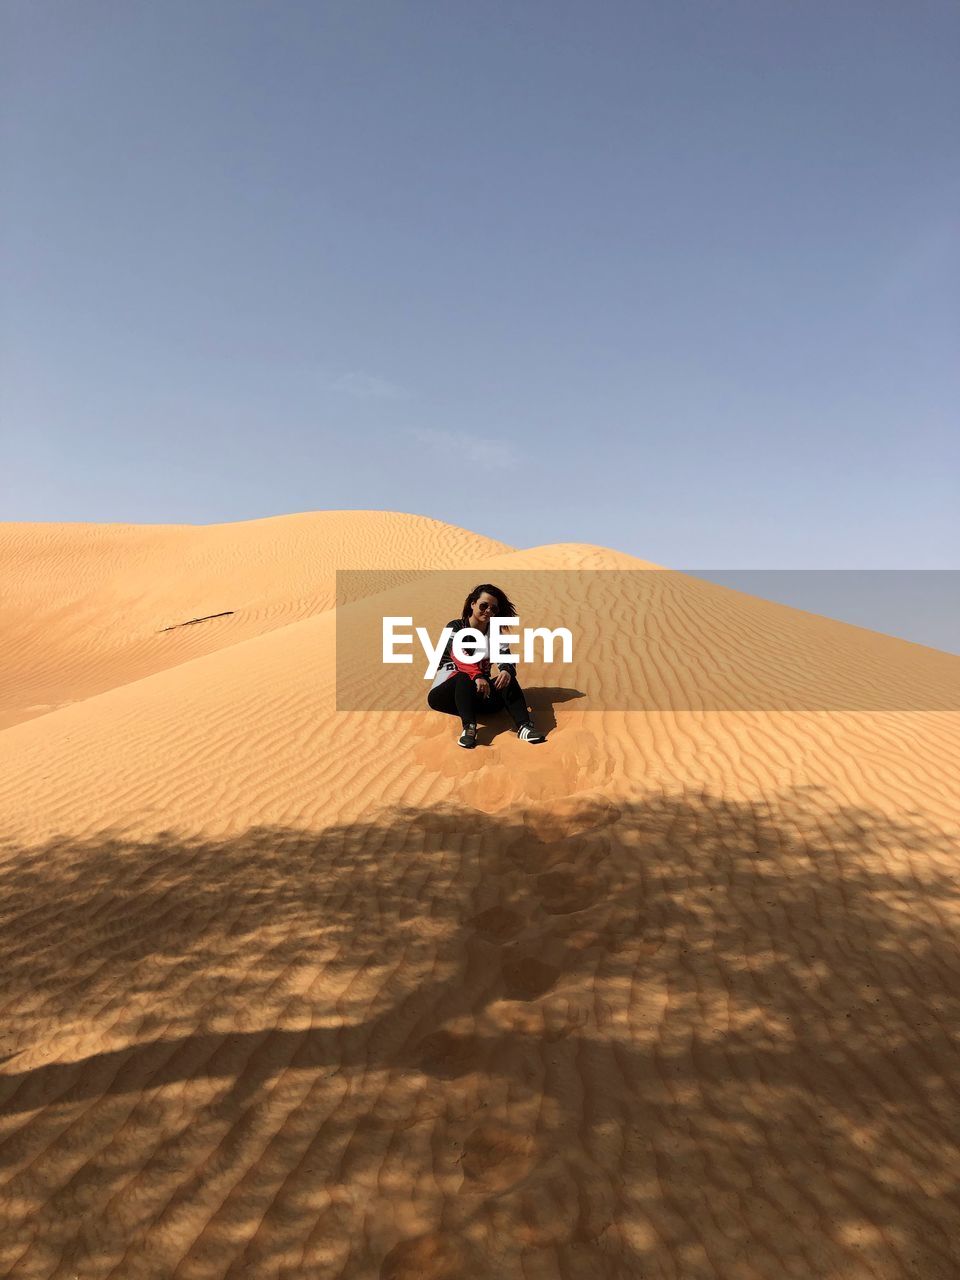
x=458, y=696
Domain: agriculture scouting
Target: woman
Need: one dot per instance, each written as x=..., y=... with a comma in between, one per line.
x=468, y=688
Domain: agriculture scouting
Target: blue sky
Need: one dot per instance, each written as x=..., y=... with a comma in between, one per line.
x=675, y=278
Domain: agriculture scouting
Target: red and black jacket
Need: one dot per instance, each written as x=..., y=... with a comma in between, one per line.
x=473, y=669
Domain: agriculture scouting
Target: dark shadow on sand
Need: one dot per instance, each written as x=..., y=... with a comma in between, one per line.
x=778, y=1019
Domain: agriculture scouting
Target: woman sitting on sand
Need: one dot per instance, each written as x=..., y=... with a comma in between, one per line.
x=466, y=689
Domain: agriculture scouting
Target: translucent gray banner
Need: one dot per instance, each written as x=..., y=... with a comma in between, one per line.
x=666, y=640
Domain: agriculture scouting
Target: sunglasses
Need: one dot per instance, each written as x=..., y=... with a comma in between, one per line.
x=486, y=608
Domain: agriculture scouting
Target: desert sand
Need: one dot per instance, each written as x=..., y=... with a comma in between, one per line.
x=289, y=991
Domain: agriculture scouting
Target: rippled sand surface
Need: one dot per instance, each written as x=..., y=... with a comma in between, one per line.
x=289, y=991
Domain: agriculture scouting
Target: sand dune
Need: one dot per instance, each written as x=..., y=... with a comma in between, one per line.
x=89, y=607
x=293, y=991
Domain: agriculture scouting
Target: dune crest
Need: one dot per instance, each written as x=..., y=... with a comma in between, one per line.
x=87, y=607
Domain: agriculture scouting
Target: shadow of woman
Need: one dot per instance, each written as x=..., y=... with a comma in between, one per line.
x=541, y=700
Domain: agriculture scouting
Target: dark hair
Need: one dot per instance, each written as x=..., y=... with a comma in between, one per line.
x=507, y=609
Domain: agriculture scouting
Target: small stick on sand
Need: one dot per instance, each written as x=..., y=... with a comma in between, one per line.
x=205, y=618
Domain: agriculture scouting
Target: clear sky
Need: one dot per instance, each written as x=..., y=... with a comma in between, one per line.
x=676, y=278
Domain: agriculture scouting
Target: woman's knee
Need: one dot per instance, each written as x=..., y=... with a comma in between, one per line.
x=437, y=702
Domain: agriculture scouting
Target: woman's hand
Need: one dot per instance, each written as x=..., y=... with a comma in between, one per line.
x=483, y=686
x=501, y=680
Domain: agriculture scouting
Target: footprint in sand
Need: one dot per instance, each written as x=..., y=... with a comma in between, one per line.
x=582, y=1259
x=562, y=838
x=570, y=816
x=497, y=924
x=443, y=1053
x=568, y=889
x=427, y=1257
x=533, y=856
x=495, y=1157
x=527, y=977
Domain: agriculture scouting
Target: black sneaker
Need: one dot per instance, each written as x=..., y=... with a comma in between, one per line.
x=469, y=736
x=527, y=733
